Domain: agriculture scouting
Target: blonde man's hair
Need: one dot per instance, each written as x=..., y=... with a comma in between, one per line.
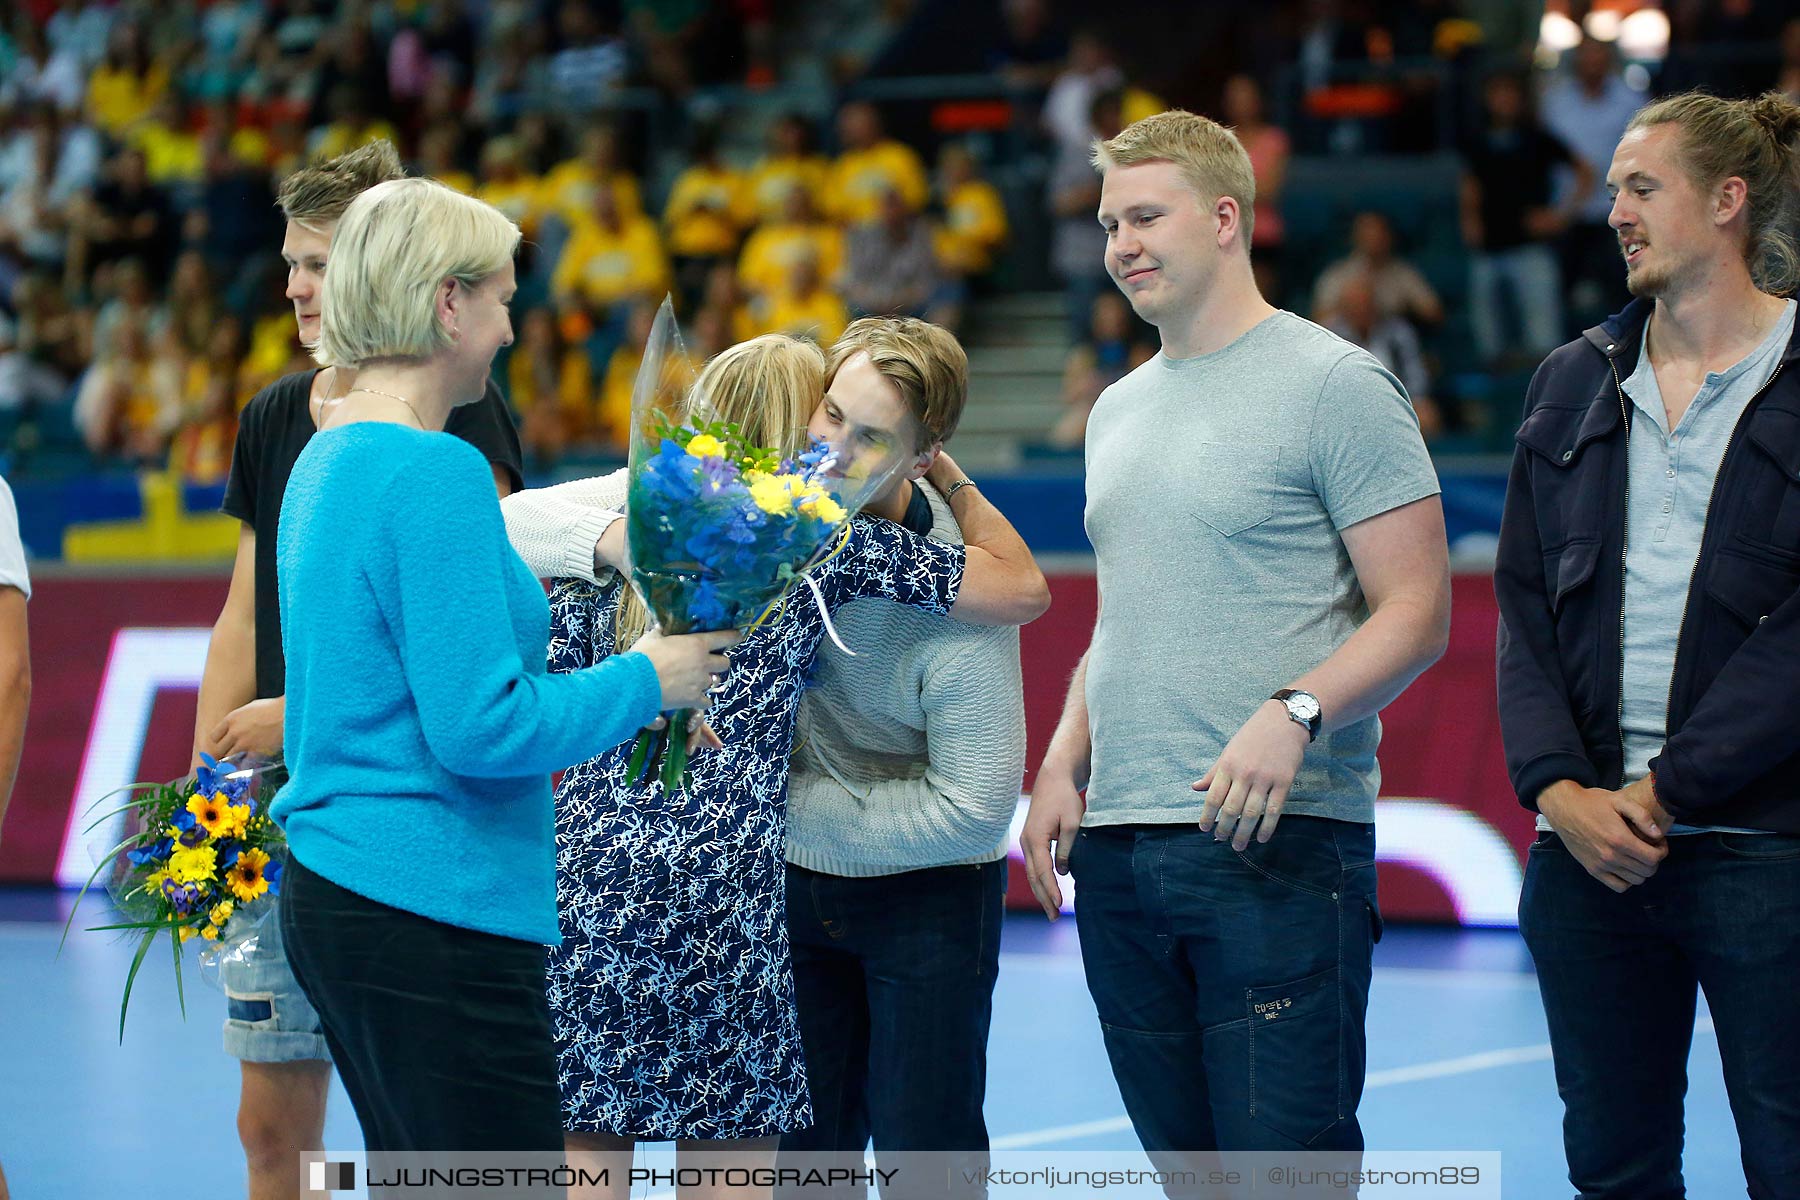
x=924, y=362
x=1209, y=156
x=396, y=244
x=1759, y=142
x=315, y=197
x=768, y=387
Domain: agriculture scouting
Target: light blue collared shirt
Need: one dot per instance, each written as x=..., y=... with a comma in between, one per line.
x=1672, y=473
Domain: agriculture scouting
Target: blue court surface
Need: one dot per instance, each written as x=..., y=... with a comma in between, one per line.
x=1458, y=1060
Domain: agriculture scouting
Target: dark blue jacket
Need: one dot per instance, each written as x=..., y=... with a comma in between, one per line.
x=1732, y=756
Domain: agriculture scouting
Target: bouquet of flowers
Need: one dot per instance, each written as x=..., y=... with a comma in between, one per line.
x=203, y=860
x=720, y=529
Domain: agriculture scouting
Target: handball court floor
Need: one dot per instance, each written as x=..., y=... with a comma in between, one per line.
x=1458, y=1060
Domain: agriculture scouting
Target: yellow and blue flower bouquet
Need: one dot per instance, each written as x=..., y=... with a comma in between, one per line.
x=203, y=860
x=718, y=528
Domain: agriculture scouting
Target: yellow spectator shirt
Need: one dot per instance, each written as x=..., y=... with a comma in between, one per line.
x=606, y=267
x=974, y=226
x=569, y=190
x=773, y=249
x=774, y=178
x=853, y=194
x=707, y=209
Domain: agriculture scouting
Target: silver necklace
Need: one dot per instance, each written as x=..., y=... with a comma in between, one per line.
x=391, y=396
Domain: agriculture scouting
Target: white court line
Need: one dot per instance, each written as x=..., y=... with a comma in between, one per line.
x=1462, y=1065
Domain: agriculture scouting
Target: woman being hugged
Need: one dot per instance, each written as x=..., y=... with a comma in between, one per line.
x=672, y=993
x=421, y=727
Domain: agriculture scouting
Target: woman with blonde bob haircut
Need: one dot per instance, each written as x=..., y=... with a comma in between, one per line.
x=672, y=993
x=421, y=727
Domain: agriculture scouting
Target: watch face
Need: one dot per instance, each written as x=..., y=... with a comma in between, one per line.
x=1304, y=706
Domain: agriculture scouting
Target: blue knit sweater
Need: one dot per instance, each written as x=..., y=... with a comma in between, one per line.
x=421, y=725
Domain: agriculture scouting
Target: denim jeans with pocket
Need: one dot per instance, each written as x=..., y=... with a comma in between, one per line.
x=1231, y=986
x=1620, y=975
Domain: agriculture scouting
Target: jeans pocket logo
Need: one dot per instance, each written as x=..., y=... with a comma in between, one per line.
x=1268, y=1010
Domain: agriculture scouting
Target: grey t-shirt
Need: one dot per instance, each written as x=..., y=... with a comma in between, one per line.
x=1218, y=488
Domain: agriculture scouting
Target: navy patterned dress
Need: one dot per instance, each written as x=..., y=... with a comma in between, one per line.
x=672, y=995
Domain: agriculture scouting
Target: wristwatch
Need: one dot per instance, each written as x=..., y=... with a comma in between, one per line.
x=959, y=485
x=1302, y=709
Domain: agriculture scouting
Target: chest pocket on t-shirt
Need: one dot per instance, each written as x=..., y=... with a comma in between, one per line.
x=1235, y=486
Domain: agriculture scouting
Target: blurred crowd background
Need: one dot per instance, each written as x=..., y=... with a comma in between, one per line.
x=1429, y=173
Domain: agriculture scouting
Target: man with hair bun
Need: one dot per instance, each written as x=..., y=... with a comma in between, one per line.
x=1270, y=554
x=1649, y=588
x=270, y=1028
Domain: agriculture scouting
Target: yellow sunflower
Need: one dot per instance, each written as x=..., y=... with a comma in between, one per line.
x=246, y=875
x=211, y=812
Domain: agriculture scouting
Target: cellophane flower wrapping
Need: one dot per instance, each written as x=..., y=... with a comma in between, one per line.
x=201, y=860
x=720, y=529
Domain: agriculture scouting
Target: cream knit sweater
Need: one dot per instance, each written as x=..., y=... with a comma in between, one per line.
x=907, y=756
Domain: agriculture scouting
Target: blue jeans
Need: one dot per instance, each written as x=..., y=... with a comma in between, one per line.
x=895, y=980
x=1231, y=987
x=1619, y=975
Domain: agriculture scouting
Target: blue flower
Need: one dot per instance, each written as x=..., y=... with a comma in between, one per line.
x=206, y=775
x=228, y=854
x=272, y=872
x=154, y=853
x=707, y=607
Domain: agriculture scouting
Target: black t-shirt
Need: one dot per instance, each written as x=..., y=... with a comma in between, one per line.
x=1515, y=170
x=918, y=516
x=273, y=430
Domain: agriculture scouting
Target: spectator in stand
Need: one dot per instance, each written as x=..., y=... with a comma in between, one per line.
x=611, y=424
x=1068, y=108
x=125, y=216
x=506, y=185
x=706, y=213
x=870, y=165
x=353, y=124
x=1032, y=49
x=791, y=162
x=1108, y=353
x=1268, y=148
x=1077, y=243
x=194, y=308
x=1400, y=290
x=970, y=234
x=775, y=246
x=81, y=30
x=51, y=343
x=200, y=451
x=1510, y=223
x=42, y=171
x=890, y=268
x=590, y=62
x=132, y=302
x=1394, y=343
x=440, y=157
x=40, y=75
x=570, y=186
x=725, y=296
x=172, y=155
x=128, y=402
x=551, y=386
x=1588, y=112
x=609, y=261
x=502, y=80
x=234, y=220
x=974, y=225
x=804, y=306
x=125, y=87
